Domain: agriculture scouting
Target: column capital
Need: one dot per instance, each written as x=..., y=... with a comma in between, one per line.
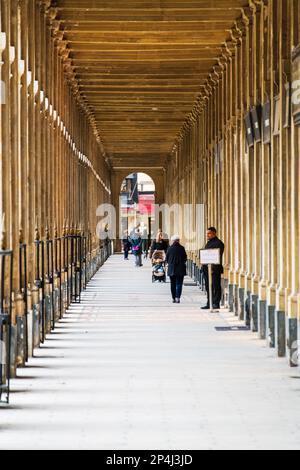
x=247, y=17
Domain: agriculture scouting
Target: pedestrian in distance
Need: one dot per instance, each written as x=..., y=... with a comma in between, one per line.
x=126, y=245
x=137, y=249
x=145, y=239
x=176, y=260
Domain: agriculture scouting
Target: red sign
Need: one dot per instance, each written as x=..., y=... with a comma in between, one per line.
x=147, y=204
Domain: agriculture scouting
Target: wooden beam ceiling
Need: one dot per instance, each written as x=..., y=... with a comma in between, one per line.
x=141, y=65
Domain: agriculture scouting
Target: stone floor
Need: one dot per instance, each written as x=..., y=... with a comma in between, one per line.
x=127, y=369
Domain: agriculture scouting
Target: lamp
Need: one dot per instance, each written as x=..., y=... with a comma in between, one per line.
x=2, y=42
x=36, y=87
x=21, y=68
x=12, y=54
x=2, y=92
x=29, y=78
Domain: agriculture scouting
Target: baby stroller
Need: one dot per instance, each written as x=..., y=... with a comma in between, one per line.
x=159, y=267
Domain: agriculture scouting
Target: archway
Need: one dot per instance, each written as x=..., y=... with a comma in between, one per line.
x=137, y=205
x=119, y=175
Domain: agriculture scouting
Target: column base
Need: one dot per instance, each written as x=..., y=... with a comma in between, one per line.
x=21, y=342
x=195, y=272
x=48, y=307
x=248, y=309
x=36, y=326
x=231, y=297
x=64, y=294
x=271, y=326
x=280, y=332
x=241, y=308
x=262, y=319
x=13, y=351
x=236, y=300
x=188, y=267
x=30, y=333
x=292, y=342
x=42, y=319
x=225, y=293
x=198, y=276
x=56, y=296
x=254, y=312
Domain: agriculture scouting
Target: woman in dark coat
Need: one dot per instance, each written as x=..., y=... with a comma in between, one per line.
x=160, y=244
x=136, y=243
x=126, y=244
x=176, y=259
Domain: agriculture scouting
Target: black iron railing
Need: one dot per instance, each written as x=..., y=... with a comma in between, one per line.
x=63, y=268
x=23, y=286
x=40, y=283
x=76, y=265
x=6, y=282
x=50, y=277
x=58, y=257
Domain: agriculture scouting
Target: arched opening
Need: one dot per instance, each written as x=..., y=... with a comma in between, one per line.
x=137, y=204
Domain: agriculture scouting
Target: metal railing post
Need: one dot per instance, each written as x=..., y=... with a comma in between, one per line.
x=24, y=289
x=40, y=282
x=6, y=285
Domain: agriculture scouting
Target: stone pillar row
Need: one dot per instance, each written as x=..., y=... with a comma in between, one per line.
x=53, y=173
x=251, y=193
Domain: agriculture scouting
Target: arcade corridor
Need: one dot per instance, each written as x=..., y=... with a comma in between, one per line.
x=203, y=97
x=132, y=371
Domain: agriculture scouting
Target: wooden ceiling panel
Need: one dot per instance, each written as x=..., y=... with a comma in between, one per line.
x=148, y=5
x=141, y=65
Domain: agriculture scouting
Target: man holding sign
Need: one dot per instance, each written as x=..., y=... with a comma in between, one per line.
x=214, y=243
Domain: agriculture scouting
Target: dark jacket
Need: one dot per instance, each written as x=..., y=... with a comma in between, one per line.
x=136, y=242
x=126, y=244
x=176, y=259
x=159, y=246
x=211, y=245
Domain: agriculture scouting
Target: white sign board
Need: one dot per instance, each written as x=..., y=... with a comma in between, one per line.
x=210, y=256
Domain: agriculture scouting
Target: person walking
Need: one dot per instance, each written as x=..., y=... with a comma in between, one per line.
x=126, y=245
x=159, y=244
x=213, y=242
x=145, y=239
x=136, y=243
x=176, y=260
